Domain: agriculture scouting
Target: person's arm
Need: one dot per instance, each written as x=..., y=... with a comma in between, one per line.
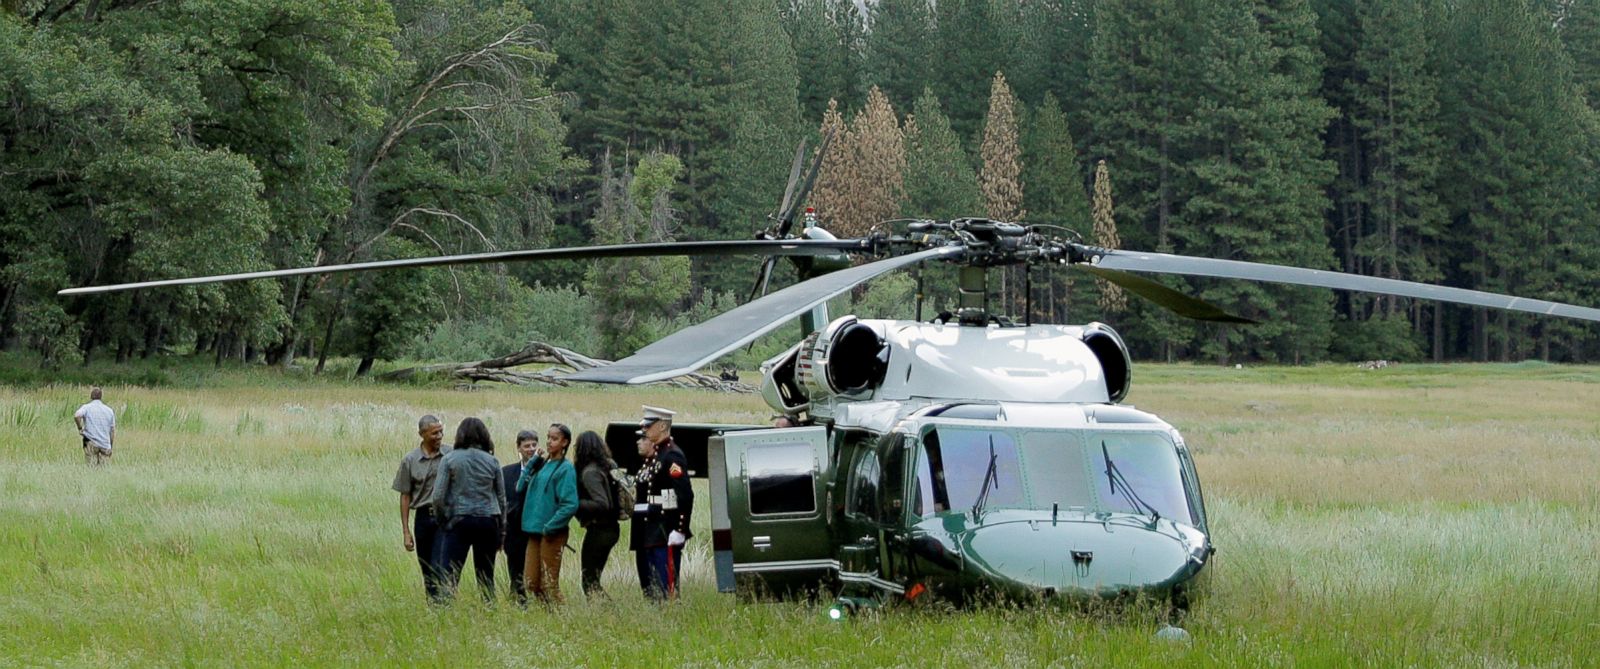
x=77, y=417
x=407, y=540
x=596, y=498
x=566, y=500
x=441, y=491
x=505, y=509
x=527, y=476
x=402, y=485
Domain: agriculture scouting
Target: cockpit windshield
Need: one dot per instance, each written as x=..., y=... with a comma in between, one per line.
x=1045, y=469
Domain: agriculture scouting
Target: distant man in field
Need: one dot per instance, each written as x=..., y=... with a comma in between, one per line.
x=414, y=482
x=664, y=502
x=97, y=424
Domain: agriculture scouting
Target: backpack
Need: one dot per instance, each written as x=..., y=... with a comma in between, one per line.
x=621, y=493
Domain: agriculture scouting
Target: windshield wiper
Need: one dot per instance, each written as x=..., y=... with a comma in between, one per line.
x=1117, y=480
x=991, y=481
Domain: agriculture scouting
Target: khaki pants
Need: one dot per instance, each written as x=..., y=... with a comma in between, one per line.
x=541, y=572
x=94, y=455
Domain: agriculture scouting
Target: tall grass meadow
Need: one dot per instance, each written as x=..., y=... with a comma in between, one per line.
x=1408, y=516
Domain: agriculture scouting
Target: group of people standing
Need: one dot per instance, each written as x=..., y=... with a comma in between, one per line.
x=457, y=499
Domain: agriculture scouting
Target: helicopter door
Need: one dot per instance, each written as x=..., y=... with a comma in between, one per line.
x=768, y=506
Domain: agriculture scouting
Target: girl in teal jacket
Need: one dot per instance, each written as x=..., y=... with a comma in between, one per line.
x=551, y=501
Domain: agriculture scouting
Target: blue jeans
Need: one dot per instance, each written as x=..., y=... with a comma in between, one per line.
x=481, y=536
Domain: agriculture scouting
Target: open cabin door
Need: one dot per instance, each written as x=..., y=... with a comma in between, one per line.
x=769, y=509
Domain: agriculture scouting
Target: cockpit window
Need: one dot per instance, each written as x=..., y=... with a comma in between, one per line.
x=1049, y=469
x=1142, y=476
x=956, y=461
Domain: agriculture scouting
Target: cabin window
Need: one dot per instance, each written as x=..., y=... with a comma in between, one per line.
x=781, y=479
x=1143, y=474
x=864, y=480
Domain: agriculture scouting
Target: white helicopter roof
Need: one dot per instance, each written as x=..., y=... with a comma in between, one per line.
x=1035, y=363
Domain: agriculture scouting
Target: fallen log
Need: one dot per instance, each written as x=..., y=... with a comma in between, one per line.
x=540, y=353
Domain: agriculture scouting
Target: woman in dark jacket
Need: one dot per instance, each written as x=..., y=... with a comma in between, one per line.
x=597, y=509
x=469, y=500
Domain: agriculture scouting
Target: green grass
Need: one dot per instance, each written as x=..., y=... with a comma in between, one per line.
x=1417, y=515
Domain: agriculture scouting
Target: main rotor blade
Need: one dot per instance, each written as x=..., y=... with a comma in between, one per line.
x=693, y=347
x=794, y=178
x=793, y=247
x=1161, y=263
x=786, y=217
x=1176, y=302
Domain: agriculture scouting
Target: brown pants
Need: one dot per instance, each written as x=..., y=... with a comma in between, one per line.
x=541, y=572
x=94, y=455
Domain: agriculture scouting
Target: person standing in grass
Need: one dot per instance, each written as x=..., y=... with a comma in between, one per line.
x=97, y=424
x=516, y=543
x=414, y=481
x=663, y=504
x=597, y=509
x=552, y=499
x=469, y=503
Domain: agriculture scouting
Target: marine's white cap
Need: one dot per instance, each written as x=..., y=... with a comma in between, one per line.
x=653, y=414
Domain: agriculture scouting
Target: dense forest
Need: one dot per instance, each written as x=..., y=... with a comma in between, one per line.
x=1449, y=141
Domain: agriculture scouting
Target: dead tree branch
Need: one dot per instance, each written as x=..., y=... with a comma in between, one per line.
x=540, y=353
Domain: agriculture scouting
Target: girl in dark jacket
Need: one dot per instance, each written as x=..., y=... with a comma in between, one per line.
x=597, y=509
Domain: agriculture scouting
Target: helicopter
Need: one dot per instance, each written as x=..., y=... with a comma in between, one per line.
x=951, y=458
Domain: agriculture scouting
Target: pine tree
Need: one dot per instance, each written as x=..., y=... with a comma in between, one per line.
x=630, y=292
x=970, y=50
x=832, y=193
x=940, y=182
x=828, y=38
x=1510, y=110
x=862, y=180
x=1394, y=110
x=897, y=49
x=1053, y=192
x=1259, y=176
x=1112, y=299
x=1001, y=178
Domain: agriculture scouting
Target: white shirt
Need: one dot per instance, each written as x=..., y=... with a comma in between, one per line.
x=98, y=421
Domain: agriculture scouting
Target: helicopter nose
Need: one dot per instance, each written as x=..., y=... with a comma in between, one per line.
x=1090, y=556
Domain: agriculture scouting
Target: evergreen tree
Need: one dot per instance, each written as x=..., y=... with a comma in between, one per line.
x=970, y=51
x=1111, y=299
x=1394, y=109
x=1510, y=110
x=1052, y=189
x=1141, y=81
x=636, y=206
x=829, y=39
x=897, y=59
x=940, y=182
x=1001, y=177
x=1259, y=177
x=863, y=179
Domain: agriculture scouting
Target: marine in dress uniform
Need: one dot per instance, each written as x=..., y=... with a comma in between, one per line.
x=664, y=503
